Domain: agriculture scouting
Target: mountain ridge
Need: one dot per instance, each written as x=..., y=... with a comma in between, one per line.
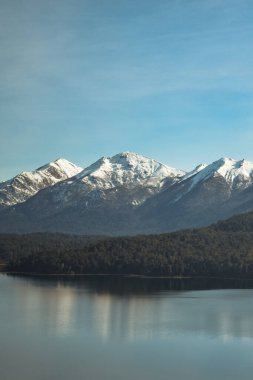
x=129, y=194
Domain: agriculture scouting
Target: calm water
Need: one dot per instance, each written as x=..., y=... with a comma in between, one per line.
x=124, y=328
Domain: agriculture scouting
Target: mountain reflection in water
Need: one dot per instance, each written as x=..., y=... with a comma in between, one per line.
x=116, y=328
x=129, y=309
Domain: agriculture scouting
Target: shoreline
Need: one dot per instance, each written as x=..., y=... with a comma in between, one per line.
x=140, y=276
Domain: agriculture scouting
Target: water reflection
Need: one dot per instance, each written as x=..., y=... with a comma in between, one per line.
x=129, y=309
x=127, y=329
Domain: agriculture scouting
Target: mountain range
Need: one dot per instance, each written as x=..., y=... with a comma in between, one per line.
x=126, y=194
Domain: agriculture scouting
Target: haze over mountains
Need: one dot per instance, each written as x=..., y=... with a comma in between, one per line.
x=124, y=194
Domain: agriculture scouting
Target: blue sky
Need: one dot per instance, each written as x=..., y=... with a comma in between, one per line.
x=80, y=79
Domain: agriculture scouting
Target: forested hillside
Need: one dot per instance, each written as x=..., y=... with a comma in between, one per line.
x=223, y=249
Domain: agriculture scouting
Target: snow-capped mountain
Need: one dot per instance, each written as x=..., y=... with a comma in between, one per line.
x=203, y=196
x=101, y=198
x=127, y=194
x=136, y=176
x=130, y=170
x=124, y=179
x=237, y=174
x=125, y=172
x=27, y=184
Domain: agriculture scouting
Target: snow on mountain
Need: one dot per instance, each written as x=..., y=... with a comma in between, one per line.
x=64, y=167
x=126, y=168
x=120, y=182
x=125, y=194
x=27, y=184
x=237, y=174
x=198, y=169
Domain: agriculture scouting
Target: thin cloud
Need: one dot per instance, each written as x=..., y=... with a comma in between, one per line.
x=95, y=71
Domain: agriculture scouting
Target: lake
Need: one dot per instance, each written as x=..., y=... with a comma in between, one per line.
x=116, y=328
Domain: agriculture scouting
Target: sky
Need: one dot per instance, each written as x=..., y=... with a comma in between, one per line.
x=81, y=79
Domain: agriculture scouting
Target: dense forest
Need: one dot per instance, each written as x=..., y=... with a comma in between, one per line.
x=223, y=249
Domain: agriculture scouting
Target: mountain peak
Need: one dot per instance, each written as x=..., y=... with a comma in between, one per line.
x=225, y=161
x=65, y=166
x=27, y=184
x=61, y=161
x=232, y=171
x=126, y=167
